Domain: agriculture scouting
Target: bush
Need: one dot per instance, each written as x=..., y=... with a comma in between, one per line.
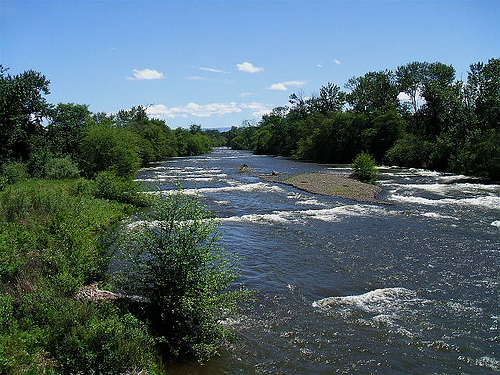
x=365, y=168
x=111, y=186
x=410, y=151
x=108, y=148
x=173, y=260
x=60, y=168
x=14, y=172
x=53, y=335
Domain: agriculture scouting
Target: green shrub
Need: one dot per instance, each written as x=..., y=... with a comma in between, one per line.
x=410, y=151
x=108, y=148
x=60, y=168
x=173, y=260
x=97, y=339
x=14, y=172
x=53, y=335
x=111, y=186
x=365, y=168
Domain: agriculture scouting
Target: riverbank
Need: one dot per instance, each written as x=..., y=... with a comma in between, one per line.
x=335, y=185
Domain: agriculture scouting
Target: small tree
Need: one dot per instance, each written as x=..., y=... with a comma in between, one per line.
x=365, y=168
x=173, y=260
x=59, y=168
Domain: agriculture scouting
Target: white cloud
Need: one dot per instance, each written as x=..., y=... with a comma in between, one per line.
x=248, y=68
x=193, y=109
x=244, y=94
x=282, y=86
x=214, y=70
x=336, y=61
x=146, y=74
x=207, y=110
x=320, y=65
x=277, y=86
x=258, y=109
x=404, y=96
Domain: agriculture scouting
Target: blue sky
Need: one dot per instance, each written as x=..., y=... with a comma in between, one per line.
x=217, y=63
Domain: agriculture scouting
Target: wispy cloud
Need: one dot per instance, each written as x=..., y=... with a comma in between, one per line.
x=244, y=94
x=282, y=86
x=248, y=68
x=214, y=70
x=197, y=78
x=295, y=83
x=336, y=61
x=146, y=74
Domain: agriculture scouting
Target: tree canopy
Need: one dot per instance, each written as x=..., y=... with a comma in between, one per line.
x=35, y=132
x=416, y=116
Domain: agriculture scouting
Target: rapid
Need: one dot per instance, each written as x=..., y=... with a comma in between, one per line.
x=342, y=287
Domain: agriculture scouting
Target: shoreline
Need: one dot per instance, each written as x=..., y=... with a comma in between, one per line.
x=334, y=185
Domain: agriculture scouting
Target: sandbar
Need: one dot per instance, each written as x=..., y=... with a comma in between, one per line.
x=335, y=185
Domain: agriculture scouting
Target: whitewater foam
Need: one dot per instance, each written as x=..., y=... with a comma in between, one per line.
x=447, y=188
x=275, y=217
x=310, y=202
x=435, y=215
x=378, y=301
x=485, y=201
x=259, y=186
x=334, y=214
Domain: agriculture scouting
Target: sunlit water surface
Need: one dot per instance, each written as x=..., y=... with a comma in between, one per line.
x=346, y=287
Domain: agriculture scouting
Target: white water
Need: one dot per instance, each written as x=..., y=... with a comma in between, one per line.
x=344, y=287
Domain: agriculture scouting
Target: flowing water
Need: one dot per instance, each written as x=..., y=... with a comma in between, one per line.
x=347, y=287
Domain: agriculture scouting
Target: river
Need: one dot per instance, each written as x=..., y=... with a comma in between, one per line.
x=353, y=288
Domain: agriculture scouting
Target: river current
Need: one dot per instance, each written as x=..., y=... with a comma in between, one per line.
x=410, y=287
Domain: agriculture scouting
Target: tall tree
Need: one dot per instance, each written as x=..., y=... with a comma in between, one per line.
x=441, y=99
x=330, y=98
x=373, y=92
x=65, y=130
x=410, y=78
x=483, y=92
x=23, y=107
x=135, y=114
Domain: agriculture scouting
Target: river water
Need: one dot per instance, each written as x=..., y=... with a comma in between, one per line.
x=353, y=288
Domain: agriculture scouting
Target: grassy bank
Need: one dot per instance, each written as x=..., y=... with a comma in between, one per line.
x=53, y=241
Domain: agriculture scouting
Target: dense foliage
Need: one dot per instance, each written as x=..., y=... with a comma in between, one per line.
x=417, y=116
x=52, y=243
x=66, y=179
x=173, y=260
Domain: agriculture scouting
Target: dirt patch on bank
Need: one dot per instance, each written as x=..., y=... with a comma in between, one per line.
x=334, y=185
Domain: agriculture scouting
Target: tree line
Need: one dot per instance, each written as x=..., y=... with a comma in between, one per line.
x=416, y=116
x=38, y=138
